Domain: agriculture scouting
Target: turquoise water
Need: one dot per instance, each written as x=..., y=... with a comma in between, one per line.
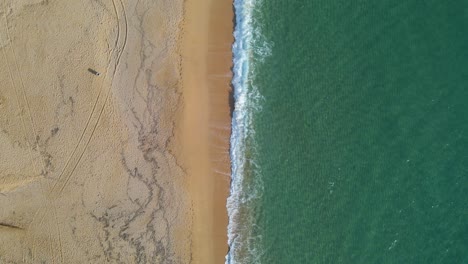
x=350, y=132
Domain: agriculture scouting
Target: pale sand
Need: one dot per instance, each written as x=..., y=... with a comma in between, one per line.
x=86, y=175
x=205, y=122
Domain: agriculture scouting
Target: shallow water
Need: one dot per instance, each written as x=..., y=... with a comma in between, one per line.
x=350, y=140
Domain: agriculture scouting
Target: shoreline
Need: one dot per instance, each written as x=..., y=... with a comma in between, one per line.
x=204, y=123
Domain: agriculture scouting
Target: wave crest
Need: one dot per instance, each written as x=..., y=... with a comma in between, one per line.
x=249, y=49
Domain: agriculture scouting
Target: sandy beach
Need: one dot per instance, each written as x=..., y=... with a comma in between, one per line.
x=205, y=122
x=113, y=138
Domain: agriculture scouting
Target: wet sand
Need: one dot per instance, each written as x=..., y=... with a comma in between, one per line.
x=205, y=122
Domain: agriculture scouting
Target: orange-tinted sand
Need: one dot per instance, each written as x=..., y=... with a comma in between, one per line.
x=204, y=126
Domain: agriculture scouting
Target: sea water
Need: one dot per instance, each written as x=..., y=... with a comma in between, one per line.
x=350, y=132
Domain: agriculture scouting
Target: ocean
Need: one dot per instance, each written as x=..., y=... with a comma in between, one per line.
x=350, y=132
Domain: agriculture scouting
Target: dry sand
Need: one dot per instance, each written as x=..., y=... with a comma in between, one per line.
x=129, y=165
x=205, y=123
x=86, y=171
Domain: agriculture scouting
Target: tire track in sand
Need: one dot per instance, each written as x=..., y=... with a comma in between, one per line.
x=29, y=129
x=95, y=118
x=91, y=124
x=89, y=129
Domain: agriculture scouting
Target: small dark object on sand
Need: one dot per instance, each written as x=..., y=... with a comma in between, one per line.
x=93, y=72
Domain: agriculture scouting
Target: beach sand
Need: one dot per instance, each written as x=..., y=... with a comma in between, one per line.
x=205, y=122
x=86, y=171
x=114, y=131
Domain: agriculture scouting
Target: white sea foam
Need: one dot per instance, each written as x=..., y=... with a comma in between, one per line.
x=246, y=181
